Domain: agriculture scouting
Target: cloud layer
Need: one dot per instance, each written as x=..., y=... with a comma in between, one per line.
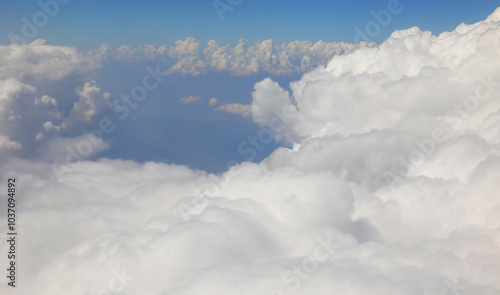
x=391, y=187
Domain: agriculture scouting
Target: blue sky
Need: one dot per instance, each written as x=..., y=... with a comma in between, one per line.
x=163, y=130
x=88, y=24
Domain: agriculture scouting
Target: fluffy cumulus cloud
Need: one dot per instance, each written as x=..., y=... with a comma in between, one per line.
x=37, y=61
x=271, y=57
x=268, y=56
x=90, y=102
x=391, y=187
x=42, y=92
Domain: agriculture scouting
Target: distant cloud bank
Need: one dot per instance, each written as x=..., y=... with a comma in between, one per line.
x=190, y=58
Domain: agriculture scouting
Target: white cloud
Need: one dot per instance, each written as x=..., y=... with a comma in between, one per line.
x=213, y=101
x=187, y=54
x=37, y=93
x=190, y=99
x=91, y=101
x=235, y=108
x=38, y=61
x=408, y=83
